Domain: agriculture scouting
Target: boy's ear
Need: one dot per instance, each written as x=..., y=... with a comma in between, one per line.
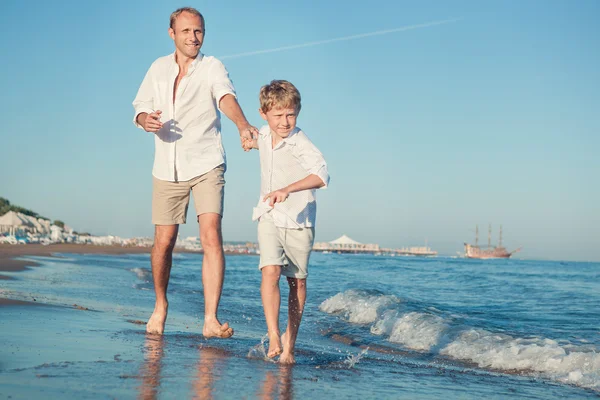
x=262, y=114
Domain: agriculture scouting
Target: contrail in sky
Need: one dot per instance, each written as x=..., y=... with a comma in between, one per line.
x=341, y=39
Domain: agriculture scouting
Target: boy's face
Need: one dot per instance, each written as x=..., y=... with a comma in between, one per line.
x=282, y=121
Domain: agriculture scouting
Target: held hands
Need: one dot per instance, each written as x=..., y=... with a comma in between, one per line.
x=278, y=196
x=151, y=122
x=249, y=144
x=248, y=136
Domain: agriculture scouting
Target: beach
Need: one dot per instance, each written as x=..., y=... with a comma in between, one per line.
x=374, y=327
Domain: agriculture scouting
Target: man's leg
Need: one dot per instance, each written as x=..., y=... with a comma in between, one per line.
x=295, y=309
x=213, y=273
x=161, y=259
x=271, y=299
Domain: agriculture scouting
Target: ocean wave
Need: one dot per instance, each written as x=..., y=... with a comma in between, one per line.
x=143, y=274
x=358, y=306
x=579, y=365
x=428, y=331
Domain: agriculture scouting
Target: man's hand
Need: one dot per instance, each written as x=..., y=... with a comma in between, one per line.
x=249, y=144
x=278, y=196
x=150, y=122
x=247, y=135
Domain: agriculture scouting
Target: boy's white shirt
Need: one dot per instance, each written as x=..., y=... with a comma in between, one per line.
x=292, y=159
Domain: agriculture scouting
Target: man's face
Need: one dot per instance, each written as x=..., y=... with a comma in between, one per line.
x=188, y=34
x=282, y=121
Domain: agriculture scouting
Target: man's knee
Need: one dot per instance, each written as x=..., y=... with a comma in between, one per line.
x=211, y=239
x=165, y=238
x=210, y=232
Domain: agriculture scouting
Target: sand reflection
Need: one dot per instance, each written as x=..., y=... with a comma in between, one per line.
x=150, y=371
x=210, y=368
x=277, y=384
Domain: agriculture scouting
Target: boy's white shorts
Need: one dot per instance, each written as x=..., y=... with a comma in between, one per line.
x=289, y=248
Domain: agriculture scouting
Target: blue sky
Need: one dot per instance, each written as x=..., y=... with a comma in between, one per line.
x=492, y=118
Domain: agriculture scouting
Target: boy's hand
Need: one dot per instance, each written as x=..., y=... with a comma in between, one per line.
x=278, y=196
x=249, y=144
x=248, y=132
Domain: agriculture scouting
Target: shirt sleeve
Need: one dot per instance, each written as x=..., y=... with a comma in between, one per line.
x=144, y=100
x=220, y=82
x=311, y=159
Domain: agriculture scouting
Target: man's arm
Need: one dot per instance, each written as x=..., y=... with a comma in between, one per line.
x=312, y=181
x=143, y=105
x=230, y=107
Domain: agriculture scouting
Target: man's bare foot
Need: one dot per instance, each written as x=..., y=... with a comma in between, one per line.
x=287, y=356
x=156, y=323
x=275, y=347
x=215, y=329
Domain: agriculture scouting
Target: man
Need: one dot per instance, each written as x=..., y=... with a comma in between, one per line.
x=179, y=101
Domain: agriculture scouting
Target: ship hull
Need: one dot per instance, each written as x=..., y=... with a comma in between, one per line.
x=483, y=254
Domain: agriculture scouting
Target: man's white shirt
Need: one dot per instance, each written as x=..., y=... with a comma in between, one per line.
x=189, y=142
x=292, y=159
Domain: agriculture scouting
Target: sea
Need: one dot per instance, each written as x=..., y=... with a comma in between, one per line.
x=375, y=327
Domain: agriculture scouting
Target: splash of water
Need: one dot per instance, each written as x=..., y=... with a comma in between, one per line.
x=352, y=360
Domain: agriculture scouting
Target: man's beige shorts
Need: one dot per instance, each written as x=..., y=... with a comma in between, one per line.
x=289, y=248
x=170, y=199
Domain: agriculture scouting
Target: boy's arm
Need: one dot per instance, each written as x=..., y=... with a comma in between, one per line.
x=312, y=181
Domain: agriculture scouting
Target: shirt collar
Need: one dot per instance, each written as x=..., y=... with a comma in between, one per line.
x=194, y=63
x=290, y=140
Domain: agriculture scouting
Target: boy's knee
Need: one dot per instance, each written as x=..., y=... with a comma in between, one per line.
x=271, y=272
x=297, y=283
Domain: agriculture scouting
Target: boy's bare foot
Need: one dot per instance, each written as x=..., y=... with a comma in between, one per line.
x=156, y=323
x=275, y=347
x=287, y=356
x=214, y=329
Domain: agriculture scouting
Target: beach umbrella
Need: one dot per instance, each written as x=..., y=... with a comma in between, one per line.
x=12, y=222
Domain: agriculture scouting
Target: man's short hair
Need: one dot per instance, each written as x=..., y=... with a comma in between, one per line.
x=279, y=94
x=190, y=10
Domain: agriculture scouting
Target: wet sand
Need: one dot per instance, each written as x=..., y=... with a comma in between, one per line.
x=8, y=253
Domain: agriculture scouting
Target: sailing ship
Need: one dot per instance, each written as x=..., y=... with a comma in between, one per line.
x=476, y=251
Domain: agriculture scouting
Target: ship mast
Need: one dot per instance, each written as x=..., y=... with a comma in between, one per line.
x=476, y=234
x=490, y=236
x=500, y=240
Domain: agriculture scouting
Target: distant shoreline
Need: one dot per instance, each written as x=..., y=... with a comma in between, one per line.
x=8, y=253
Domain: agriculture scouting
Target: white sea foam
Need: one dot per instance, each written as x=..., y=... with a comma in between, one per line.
x=566, y=363
x=424, y=331
x=418, y=331
x=358, y=306
x=143, y=273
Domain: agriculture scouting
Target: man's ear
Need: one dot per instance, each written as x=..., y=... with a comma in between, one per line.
x=172, y=33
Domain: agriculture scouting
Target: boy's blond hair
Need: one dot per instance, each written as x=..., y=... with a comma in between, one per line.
x=279, y=94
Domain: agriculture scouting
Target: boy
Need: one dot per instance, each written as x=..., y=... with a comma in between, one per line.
x=291, y=169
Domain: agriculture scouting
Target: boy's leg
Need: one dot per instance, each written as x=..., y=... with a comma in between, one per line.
x=296, y=303
x=271, y=299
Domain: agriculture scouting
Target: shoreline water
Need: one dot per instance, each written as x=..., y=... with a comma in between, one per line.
x=10, y=252
x=430, y=329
